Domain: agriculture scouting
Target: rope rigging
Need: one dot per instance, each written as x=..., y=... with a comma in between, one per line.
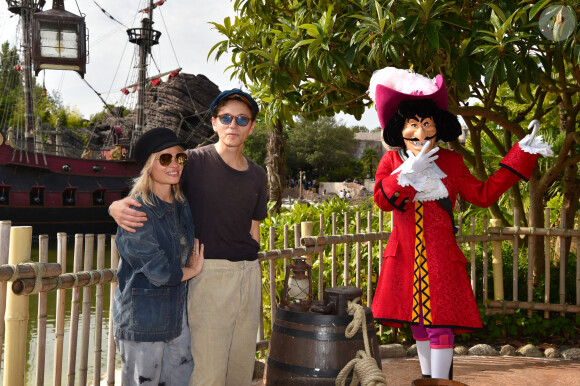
x=109, y=15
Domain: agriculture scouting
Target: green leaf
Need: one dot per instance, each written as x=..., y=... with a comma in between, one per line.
x=525, y=92
x=462, y=70
x=410, y=24
x=517, y=95
x=497, y=10
x=311, y=30
x=350, y=56
x=302, y=43
x=432, y=30
x=490, y=73
x=536, y=8
x=512, y=77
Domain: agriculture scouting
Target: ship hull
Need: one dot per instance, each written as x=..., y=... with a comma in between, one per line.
x=61, y=194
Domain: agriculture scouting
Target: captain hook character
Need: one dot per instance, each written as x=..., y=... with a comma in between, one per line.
x=423, y=280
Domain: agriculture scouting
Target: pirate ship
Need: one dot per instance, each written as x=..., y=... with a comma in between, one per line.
x=56, y=180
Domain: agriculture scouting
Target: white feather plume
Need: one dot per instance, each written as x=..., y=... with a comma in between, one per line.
x=405, y=81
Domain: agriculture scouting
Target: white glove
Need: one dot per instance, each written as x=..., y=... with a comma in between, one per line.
x=422, y=173
x=417, y=164
x=534, y=145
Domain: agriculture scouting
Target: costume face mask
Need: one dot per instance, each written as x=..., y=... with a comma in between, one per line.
x=417, y=132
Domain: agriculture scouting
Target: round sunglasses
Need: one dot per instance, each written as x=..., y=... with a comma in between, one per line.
x=166, y=159
x=226, y=119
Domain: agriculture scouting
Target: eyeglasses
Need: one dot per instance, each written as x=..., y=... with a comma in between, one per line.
x=226, y=119
x=166, y=159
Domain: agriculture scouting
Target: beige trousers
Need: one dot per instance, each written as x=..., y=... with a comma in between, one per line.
x=224, y=310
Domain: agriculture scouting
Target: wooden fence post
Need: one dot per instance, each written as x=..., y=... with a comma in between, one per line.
x=60, y=312
x=358, y=251
x=16, y=318
x=563, y=260
x=4, y=243
x=41, y=324
x=74, y=312
x=99, y=297
x=369, y=259
x=321, y=262
x=346, y=250
x=306, y=231
x=547, y=262
x=86, y=312
x=333, y=252
x=497, y=264
x=272, y=279
x=112, y=347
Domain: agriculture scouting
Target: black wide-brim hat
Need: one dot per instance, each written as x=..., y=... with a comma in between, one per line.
x=154, y=140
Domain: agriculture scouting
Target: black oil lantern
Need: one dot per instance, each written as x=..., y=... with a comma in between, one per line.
x=59, y=40
x=298, y=285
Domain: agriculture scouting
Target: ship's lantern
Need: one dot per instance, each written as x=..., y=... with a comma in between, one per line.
x=59, y=40
x=37, y=196
x=99, y=197
x=69, y=196
x=4, y=194
x=298, y=285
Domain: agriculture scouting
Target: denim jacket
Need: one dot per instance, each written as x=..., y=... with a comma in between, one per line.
x=150, y=297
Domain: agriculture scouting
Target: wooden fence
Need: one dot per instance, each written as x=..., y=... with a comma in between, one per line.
x=327, y=254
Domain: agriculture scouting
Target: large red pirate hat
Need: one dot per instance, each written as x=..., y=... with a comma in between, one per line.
x=390, y=86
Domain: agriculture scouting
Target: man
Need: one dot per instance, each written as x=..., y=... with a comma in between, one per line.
x=227, y=194
x=423, y=280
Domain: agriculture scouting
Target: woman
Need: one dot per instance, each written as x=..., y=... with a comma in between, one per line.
x=149, y=309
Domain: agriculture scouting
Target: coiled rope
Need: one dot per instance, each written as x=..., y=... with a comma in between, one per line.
x=364, y=366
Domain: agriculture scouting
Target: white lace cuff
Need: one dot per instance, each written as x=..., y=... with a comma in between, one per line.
x=536, y=146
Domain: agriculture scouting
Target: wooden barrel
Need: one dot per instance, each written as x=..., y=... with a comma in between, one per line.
x=307, y=348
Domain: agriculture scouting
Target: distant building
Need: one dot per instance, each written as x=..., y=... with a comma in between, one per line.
x=365, y=140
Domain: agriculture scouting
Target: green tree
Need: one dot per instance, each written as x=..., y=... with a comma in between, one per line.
x=370, y=161
x=255, y=145
x=313, y=59
x=317, y=147
x=10, y=86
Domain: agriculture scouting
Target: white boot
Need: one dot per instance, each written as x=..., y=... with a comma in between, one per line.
x=424, y=353
x=441, y=362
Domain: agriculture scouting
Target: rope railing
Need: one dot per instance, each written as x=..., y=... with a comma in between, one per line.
x=64, y=281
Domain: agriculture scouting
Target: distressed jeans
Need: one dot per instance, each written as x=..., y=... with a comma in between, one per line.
x=166, y=363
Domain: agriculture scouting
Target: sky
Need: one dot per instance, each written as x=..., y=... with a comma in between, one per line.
x=187, y=37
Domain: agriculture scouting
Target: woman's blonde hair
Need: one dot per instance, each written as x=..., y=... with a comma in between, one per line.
x=143, y=184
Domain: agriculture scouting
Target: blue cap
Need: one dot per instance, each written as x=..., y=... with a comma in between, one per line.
x=244, y=97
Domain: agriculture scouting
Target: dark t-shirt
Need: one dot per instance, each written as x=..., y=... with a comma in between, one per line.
x=223, y=202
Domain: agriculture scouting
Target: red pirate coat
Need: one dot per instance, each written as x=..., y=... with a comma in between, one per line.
x=449, y=298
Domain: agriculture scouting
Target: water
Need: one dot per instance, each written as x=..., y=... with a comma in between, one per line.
x=32, y=333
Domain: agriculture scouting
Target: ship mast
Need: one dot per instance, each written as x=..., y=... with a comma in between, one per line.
x=145, y=37
x=25, y=9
